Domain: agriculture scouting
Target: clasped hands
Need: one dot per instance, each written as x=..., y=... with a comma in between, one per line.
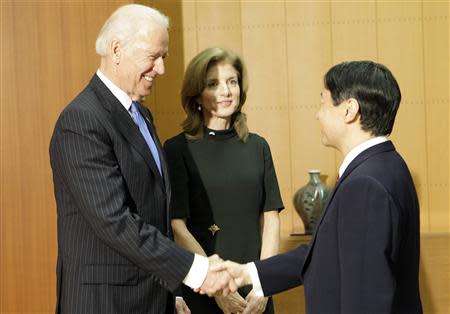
x=224, y=277
x=222, y=281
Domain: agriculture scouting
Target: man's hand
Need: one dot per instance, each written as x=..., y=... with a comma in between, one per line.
x=233, y=303
x=238, y=271
x=256, y=304
x=181, y=306
x=218, y=281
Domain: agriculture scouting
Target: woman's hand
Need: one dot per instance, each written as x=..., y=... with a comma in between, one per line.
x=255, y=304
x=181, y=306
x=233, y=303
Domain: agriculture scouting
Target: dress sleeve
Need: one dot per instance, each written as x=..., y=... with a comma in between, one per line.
x=175, y=149
x=272, y=197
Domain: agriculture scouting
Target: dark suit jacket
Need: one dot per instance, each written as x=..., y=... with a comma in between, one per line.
x=114, y=249
x=364, y=255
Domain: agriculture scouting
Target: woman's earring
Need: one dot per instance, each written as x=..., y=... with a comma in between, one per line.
x=199, y=108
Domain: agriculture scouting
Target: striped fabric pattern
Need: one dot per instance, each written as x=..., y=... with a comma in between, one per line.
x=115, y=253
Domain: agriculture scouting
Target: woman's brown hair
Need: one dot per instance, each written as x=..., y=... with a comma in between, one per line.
x=194, y=83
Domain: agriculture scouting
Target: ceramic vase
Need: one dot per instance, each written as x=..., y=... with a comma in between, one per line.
x=310, y=200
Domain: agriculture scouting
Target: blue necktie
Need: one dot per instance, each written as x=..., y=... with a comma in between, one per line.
x=139, y=120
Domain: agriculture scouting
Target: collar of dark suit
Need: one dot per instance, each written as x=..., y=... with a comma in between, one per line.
x=108, y=100
x=371, y=151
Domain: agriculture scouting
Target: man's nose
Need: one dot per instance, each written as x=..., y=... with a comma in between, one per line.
x=159, y=66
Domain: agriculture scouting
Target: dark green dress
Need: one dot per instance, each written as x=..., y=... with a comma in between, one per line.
x=224, y=182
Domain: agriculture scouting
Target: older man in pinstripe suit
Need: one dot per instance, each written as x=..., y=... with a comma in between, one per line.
x=115, y=253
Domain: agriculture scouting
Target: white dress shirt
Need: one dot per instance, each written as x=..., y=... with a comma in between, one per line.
x=124, y=99
x=358, y=150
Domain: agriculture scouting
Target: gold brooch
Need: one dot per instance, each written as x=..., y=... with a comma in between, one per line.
x=214, y=228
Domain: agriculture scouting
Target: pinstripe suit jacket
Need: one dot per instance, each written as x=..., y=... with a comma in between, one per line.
x=114, y=249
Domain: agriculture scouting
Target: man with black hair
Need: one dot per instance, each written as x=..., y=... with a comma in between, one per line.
x=364, y=254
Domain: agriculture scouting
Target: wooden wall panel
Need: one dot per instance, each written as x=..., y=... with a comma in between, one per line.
x=400, y=35
x=354, y=35
x=436, y=77
x=307, y=23
x=47, y=57
x=435, y=273
x=189, y=31
x=264, y=50
x=219, y=24
x=164, y=102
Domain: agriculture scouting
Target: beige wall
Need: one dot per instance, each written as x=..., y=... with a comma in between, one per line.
x=47, y=57
x=288, y=46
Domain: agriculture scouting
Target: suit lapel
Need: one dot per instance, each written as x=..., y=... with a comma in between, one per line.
x=125, y=124
x=374, y=150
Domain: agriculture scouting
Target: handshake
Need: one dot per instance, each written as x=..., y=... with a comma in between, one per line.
x=224, y=277
x=222, y=282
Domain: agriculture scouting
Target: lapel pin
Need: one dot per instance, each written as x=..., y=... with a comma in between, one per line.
x=213, y=229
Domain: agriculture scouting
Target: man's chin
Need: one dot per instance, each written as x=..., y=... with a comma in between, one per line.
x=146, y=92
x=325, y=142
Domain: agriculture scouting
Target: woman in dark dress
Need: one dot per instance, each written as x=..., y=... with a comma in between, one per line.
x=225, y=195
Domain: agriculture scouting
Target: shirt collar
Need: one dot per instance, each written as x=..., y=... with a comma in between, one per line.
x=123, y=98
x=358, y=150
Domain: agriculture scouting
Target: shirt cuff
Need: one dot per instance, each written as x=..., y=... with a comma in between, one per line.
x=197, y=273
x=253, y=271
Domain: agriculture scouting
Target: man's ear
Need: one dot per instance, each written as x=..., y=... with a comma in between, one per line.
x=352, y=110
x=115, y=50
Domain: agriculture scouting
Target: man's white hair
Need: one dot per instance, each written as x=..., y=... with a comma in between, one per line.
x=127, y=23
